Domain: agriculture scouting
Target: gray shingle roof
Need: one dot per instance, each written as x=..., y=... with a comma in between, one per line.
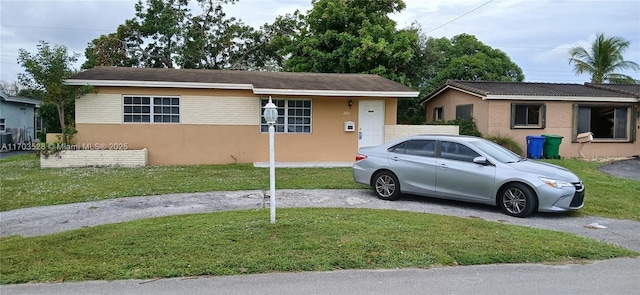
x=262, y=80
x=487, y=88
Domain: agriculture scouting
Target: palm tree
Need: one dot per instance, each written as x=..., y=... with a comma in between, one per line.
x=603, y=59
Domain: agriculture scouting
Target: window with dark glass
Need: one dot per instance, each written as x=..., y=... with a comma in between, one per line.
x=456, y=151
x=527, y=115
x=438, y=114
x=151, y=109
x=464, y=111
x=294, y=116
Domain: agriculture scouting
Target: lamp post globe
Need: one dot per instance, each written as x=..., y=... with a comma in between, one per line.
x=270, y=113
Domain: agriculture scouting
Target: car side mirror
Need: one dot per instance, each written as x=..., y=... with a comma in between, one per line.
x=481, y=161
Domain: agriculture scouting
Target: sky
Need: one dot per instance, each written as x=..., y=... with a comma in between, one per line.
x=535, y=34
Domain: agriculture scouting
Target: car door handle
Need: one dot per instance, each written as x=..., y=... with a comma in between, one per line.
x=395, y=159
x=444, y=166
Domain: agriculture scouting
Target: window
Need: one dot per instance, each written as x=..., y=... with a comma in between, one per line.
x=415, y=147
x=438, y=114
x=457, y=151
x=464, y=111
x=2, y=127
x=294, y=116
x=605, y=122
x=147, y=109
x=527, y=116
x=37, y=122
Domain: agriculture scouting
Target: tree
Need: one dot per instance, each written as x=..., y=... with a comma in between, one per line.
x=352, y=36
x=168, y=34
x=10, y=87
x=114, y=49
x=45, y=73
x=466, y=58
x=603, y=59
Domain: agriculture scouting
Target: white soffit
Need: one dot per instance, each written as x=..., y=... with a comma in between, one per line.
x=259, y=91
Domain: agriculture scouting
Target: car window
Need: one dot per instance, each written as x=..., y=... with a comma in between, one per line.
x=457, y=151
x=421, y=147
x=399, y=148
x=415, y=147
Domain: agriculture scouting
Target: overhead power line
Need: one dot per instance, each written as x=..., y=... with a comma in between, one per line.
x=459, y=17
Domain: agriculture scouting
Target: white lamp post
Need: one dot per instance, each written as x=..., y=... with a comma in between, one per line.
x=271, y=115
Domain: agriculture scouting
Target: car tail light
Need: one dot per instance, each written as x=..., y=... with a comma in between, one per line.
x=360, y=157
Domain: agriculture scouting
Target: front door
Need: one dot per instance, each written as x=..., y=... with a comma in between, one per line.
x=370, y=123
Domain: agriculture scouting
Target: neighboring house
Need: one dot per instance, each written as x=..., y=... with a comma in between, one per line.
x=19, y=122
x=609, y=111
x=214, y=117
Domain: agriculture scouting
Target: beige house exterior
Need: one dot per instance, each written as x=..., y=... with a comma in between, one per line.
x=518, y=110
x=189, y=117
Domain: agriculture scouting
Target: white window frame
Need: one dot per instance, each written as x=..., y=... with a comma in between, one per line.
x=2, y=124
x=156, y=112
x=289, y=116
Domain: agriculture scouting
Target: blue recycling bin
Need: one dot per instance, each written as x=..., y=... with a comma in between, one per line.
x=534, y=146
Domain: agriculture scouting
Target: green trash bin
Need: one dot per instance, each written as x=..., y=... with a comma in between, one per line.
x=551, y=146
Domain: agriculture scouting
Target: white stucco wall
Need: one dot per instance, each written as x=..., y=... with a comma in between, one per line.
x=393, y=132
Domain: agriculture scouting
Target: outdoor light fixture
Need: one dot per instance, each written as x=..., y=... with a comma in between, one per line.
x=350, y=103
x=270, y=115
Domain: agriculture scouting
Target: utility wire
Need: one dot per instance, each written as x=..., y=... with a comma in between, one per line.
x=459, y=17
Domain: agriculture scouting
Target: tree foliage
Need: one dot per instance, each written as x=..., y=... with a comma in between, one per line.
x=352, y=36
x=464, y=57
x=168, y=34
x=603, y=60
x=45, y=72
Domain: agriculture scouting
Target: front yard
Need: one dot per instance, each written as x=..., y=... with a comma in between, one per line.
x=244, y=242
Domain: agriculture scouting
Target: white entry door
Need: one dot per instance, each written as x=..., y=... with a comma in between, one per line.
x=370, y=122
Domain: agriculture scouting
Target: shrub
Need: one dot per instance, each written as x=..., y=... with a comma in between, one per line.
x=506, y=141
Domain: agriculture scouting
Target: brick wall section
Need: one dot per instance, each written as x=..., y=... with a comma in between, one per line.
x=99, y=108
x=211, y=110
x=96, y=158
x=393, y=132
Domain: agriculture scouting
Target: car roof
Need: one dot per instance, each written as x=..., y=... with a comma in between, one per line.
x=453, y=137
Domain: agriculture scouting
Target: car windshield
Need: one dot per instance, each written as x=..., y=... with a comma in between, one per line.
x=496, y=151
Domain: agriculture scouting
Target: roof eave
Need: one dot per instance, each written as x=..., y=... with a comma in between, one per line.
x=160, y=84
x=305, y=92
x=230, y=86
x=561, y=98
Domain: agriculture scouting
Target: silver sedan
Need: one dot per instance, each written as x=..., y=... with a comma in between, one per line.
x=468, y=169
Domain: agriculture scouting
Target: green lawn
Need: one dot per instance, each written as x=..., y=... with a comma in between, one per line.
x=308, y=239
x=25, y=184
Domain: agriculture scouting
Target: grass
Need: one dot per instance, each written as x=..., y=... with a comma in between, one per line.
x=24, y=184
x=310, y=239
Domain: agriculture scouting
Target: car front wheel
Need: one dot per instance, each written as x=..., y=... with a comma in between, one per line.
x=518, y=200
x=386, y=186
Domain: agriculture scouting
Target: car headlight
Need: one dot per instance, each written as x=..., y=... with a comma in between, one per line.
x=555, y=183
